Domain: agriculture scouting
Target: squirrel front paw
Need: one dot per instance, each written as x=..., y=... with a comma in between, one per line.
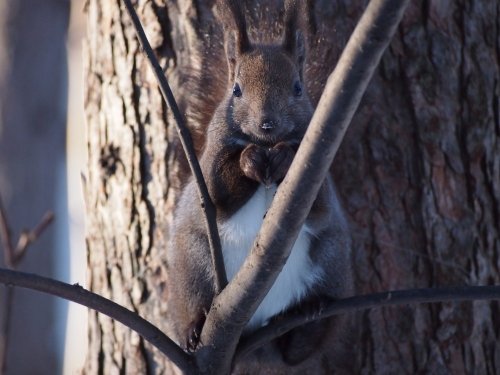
x=280, y=158
x=253, y=163
x=266, y=165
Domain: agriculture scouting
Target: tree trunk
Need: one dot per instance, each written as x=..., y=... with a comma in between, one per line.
x=419, y=173
x=33, y=106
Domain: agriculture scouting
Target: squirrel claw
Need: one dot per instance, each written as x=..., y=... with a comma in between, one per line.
x=193, y=339
x=267, y=183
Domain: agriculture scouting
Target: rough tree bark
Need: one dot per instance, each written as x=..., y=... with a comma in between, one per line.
x=419, y=172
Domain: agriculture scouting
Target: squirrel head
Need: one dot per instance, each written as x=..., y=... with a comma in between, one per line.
x=266, y=96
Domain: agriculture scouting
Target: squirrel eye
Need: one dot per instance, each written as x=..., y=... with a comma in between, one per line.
x=236, y=90
x=297, y=88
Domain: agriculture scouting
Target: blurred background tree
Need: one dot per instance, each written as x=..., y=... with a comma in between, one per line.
x=33, y=174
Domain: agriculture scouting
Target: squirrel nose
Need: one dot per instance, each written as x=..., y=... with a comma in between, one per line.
x=268, y=125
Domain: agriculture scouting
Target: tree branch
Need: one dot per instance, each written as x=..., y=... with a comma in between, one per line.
x=369, y=301
x=185, y=137
x=233, y=308
x=78, y=294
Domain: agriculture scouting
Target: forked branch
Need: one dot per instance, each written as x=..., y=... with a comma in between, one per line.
x=292, y=203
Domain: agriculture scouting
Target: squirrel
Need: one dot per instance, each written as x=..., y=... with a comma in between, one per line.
x=250, y=143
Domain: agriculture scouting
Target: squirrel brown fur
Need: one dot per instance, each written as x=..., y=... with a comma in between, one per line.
x=250, y=143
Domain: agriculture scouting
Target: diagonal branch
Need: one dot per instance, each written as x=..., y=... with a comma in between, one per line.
x=344, y=89
x=84, y=297
x=206, y=203
x=365, y=302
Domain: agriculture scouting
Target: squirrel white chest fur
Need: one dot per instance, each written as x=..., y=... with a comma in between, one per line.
x=237, y=236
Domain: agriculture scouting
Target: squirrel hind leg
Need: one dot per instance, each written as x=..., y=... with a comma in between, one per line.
x=329, y=338
x=300, y=343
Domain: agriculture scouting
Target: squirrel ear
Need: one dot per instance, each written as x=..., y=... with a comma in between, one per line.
x=300, y=48
x=232, y=17
x=232, y=52
x=293, y=41
x=296, y=48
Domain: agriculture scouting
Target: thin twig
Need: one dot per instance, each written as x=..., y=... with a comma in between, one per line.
x=5, y=237
x=8, y=251
x=365, y=302
x=28, y=237
x=78, y=294
x=291, y=205
x=187, y=144
x=12, y=257
x=5, y=328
